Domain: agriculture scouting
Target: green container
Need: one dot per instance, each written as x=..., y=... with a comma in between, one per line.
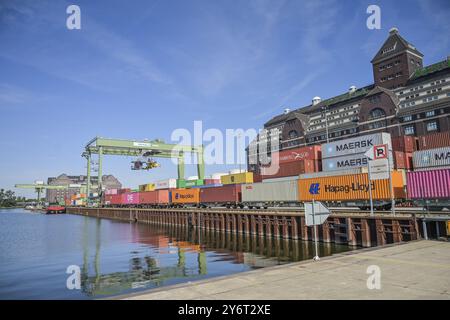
x=189, y=183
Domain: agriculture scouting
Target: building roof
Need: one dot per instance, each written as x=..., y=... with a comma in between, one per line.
x=425, y=71
x=394, y=45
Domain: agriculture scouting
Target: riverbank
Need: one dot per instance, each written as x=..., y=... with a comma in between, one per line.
x=414, y=270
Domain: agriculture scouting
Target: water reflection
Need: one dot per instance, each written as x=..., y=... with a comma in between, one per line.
x=166, y=255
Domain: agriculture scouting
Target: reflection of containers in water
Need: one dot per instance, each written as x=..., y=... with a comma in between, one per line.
x=355, y=145
x=154, y=197
x=224, y=194
x=433, y=184
x=404, y=144
x=298, y=154
x=290, y=169
x=282, y=191
x=237, y=178
x=431, y=158
x=186, y=196
x=347, y=162
x=434, y=140
x=350, y=187
x=166, y=184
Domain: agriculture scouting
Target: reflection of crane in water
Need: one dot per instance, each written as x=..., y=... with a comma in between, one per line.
x=143, y=271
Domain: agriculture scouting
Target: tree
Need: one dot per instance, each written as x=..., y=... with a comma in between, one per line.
x=7, y=198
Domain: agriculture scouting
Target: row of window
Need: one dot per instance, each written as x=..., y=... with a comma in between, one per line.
x=389, y=65
x=391, y=76
x=421, y=86
x=430, y=126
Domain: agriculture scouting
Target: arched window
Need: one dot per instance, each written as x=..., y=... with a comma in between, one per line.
x=376, y=114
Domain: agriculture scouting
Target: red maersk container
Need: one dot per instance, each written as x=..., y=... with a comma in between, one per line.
x=154, y=197
x=130, y=198
x=225, y=194
x=298, y=154
x=433, y=184
x=434, y=140
x=404, y=144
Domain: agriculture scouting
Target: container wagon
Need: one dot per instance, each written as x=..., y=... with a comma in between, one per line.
x=154, y=199
x=430, y=189
x=222, y=196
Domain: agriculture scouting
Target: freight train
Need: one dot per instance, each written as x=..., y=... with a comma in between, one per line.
x=324, y=173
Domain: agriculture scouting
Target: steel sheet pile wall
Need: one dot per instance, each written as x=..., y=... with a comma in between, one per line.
x=286, y=191
x=429, y=184
x=349, y=153
x=349, y=187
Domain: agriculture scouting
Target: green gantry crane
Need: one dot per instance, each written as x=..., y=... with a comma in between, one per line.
x=154, y=148
x=39, y=187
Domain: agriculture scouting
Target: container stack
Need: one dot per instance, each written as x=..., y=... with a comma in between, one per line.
x=350, y=153
x=403, y=148
x=293, y=162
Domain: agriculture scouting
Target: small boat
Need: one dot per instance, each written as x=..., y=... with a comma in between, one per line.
x=55, y=209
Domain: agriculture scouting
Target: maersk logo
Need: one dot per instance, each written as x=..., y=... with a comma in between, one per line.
x=355, y=145
x=314, y=188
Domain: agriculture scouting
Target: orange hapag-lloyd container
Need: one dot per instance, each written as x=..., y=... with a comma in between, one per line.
x=186, y=195
x=350, y=187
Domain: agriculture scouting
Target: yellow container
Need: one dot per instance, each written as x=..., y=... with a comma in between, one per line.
x=147, y=187
x=350, y=187
x=237, y=178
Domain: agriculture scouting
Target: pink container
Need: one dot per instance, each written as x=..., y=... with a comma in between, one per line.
x=433, y=184
x=130, y=198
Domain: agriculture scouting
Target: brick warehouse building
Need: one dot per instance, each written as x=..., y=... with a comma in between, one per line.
x=406, y=98
x=52, y=196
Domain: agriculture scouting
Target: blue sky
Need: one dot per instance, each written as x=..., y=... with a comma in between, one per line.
x=140, y=69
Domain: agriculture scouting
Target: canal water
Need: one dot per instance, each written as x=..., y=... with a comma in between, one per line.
x=115, y=257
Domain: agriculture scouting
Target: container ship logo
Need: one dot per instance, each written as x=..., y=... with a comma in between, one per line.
x=314, y=188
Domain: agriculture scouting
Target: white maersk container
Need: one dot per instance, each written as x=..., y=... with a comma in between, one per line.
x=270, y=192
x=351, y=161
x=432, y=158
x=166, y=184
x=356, y=145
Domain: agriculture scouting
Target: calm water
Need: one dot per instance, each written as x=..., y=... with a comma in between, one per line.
x=119, y=257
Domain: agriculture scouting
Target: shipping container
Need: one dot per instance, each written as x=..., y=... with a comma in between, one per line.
x=399, y=159
x=350, y=188
x=189, y=183
x=227, y=194
x=291, y=169
x=146, y=187
x=433, y=184
x=185, y=196
x=290, y=178
x=217, y=175
x=116, y=199
x=333, y=173
x=356, y=145
x=124, y=190
x=262, y=194
x=404, y=144
x=350, y=161
x=237, y=178
x=130, y=198
x=434, y=140
x=111, y=191
x=166, y=184
x=297, y=154
x=154, y=197
x=431, y=158
x=212, y=181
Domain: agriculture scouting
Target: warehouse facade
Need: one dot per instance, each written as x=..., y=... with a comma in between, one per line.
x=406, y=98
x=59, y=195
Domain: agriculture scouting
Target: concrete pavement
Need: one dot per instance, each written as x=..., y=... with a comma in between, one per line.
x=414, y=270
